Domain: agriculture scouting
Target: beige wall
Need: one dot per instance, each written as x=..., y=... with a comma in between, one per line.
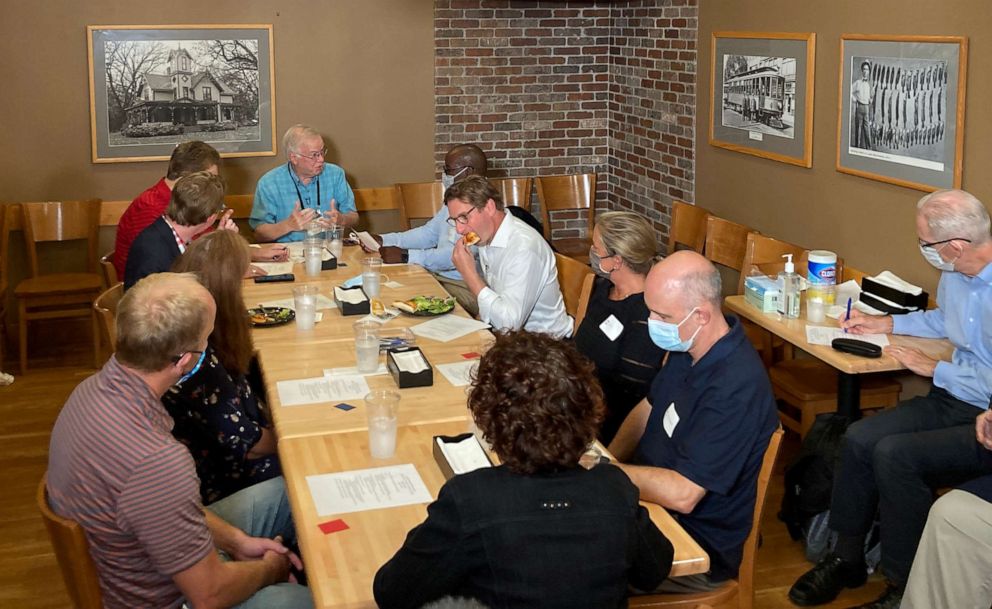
x=867, y=222
x=360, y=71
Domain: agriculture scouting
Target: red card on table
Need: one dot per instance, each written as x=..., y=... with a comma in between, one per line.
x=470, y=355
x=333, y=526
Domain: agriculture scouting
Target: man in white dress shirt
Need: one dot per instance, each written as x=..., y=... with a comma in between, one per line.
x=519, y=283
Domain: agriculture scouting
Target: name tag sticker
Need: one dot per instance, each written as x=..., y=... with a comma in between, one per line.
x=671, y=420
x=612, y=327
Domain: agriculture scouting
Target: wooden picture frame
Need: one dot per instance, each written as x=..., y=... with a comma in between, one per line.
x=154, y=86
x=900, y=109
x=761, y=94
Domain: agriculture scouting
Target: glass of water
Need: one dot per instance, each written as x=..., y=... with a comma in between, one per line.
x=305, y=303
x=366, y=346
x=334, y=235
x=371, y=276
x=381, y=406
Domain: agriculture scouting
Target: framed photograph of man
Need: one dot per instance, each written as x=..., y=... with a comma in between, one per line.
x=154, y=86
x=901, y=109
x=761, y=94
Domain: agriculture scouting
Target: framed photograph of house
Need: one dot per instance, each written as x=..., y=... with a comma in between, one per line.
x=900, y=116
x=153, y=86
x=761, y=94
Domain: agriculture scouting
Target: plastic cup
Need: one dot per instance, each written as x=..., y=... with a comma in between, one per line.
x=305, y=303
x=312, y=254
x=366, y=346
x=815, y=311
x=334, y=235
x=381, y=406
x=371, y=276
x=315, y=229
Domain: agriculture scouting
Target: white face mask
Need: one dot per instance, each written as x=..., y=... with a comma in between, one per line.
x=932, y=255
x=448, y=180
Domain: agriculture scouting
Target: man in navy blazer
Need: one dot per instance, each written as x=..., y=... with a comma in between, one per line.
x=197, y=200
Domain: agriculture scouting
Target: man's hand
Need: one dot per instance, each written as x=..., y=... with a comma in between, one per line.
x=914, y=359
x=226, y=223
x=299, y=219
x=983, y=429
x=463, y=259
x=390, y=254
x=271, y=252
x=378, y=239
x=861, y=323
x=333, y=216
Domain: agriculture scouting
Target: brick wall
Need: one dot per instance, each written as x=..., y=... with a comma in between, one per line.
x=570, y=87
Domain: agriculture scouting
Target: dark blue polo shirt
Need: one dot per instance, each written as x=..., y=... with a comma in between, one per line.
x=719, y=416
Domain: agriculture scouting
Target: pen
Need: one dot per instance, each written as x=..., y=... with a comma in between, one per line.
x=848, y=316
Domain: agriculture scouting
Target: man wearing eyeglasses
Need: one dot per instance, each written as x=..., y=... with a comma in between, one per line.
x=893, y=461
x=306, y=188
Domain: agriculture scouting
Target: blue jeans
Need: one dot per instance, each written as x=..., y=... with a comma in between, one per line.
x=262, y=510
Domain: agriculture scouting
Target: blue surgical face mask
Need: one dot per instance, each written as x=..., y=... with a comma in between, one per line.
x=665, y=334
x=448, y=180
x=196, y=368
x=932, y=256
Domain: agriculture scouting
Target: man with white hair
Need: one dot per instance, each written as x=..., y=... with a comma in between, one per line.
x=290, y=196
x=892, y=462
x=696, y=443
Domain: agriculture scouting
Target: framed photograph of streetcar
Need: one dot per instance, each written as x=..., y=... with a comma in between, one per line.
x=900, y=116
x=154, y=86
x=761, y=94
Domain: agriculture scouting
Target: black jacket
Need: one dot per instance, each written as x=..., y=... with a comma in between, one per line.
x=153, y=251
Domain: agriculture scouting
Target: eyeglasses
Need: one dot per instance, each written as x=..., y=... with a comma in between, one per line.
x=461, y=218
x=453, y=171
x=316, y=155
x=176, y=358
x=929, y=244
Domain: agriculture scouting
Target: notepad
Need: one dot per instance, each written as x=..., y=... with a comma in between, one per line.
x=367, y=489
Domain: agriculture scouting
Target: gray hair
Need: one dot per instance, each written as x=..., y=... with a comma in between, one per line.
x=296, y=134
x=629, y=236
x=701, y=287
x=953, y=214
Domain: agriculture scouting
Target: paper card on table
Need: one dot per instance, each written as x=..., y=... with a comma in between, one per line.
x=410, y=361
x=448, y=327
x=333, y=526
x=343, y=387
x=819, y=335
x=354, y=370
x=318, y=316
x=367, y=489
x=344, y=407
x=471, y=355
x=304, y=391
x=350, y=296
x=458, y=373
x=323, y=302
x=393, y=285
x=275, y=268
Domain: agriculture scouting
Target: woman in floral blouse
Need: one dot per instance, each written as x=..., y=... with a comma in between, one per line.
x=219, y=415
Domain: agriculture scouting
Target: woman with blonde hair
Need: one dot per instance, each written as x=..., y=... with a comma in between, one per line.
x=218, y=413
x=614, y=332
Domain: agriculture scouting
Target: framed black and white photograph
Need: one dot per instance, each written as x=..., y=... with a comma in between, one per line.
x=901, y=109
x=154, y=86
x=761, y=94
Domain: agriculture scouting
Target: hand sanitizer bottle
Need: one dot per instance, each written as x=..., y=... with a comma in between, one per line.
x=788, y=303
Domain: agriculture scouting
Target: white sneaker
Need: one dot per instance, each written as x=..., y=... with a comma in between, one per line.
x=6, y=379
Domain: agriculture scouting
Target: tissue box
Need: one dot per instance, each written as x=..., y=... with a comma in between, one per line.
x=762, y=292
x=449, y=469
x=352, y=308
x=871, y=289
x=330, y=264
x=404, y=378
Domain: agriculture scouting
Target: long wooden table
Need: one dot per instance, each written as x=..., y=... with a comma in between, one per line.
x=849, y=366
x=320, y=439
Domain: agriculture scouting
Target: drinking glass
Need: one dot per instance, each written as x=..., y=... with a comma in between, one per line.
x=366, y=346
x=381, y=406
x=305, y=303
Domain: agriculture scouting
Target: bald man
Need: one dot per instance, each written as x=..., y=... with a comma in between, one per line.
x=696, y=443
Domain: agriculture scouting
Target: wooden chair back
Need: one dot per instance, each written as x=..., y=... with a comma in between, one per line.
x=6, y=219
x=688, y=227
x=73, y=554
x=420, y=200
x=576, y=191
x=583, y=301
x=726, y=242
x=108, y=268
x=61, y=221
x=515, y=191
x=738, y=592
x=571, y=276
x=764, y=255
x=105, y=306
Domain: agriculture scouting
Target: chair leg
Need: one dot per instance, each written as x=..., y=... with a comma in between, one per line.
x=96, y=339
x=22, y=327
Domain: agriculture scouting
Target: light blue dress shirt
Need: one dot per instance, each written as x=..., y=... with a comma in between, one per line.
x=430, y=244
x=964, y=317
x=279, y=189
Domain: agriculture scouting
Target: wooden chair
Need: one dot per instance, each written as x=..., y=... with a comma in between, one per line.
x=571, y=276
x=59, y=295
x=735, y=592
x=109, y=270
x=583, y=301
x=6, y=219
x=688, y=227
x=570, y=192
x=73, y=554
x=726, y=242
x=105, y=306
x=515, y=191
x=419, y=200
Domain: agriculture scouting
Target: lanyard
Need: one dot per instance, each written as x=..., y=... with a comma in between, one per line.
x=299, y=196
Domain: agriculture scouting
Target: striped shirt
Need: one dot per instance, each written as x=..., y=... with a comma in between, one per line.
x=115, y=468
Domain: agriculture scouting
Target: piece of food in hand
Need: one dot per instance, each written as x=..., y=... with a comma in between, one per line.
x=378, y=309
x=470, y=238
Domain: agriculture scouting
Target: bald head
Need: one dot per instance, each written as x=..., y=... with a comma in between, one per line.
x=693, y=278
x=466, y=155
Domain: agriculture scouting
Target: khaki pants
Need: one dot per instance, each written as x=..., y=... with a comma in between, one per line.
x=459, y=289
x=953, y=564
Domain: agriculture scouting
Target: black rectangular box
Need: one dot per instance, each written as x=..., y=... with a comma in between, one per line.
x=909, y=301
x=353, y=308
x=403, y=379
x=442, y=461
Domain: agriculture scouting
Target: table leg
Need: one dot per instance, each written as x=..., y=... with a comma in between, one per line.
x=849, y=395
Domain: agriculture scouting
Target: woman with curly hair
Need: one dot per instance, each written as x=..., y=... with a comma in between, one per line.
x=217, y=411
x=538, y=530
